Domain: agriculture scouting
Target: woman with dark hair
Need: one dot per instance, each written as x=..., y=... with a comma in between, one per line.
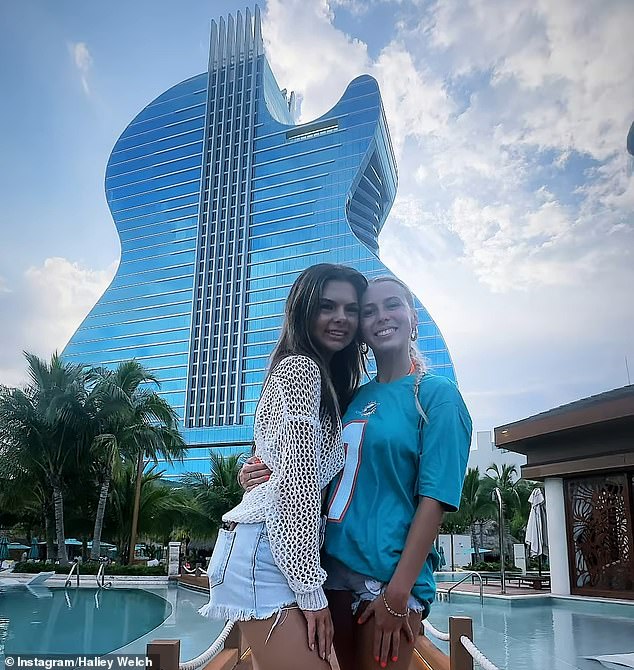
x=265, y=570
x=407, y=434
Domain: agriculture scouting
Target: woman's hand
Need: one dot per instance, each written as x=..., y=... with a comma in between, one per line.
x=253, y=473
x=387, y=629
x=320, y=631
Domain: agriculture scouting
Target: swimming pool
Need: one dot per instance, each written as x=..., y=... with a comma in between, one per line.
x=549, y=633
x=95, y=622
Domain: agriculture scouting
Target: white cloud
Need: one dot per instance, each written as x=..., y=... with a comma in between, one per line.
x=83, y=61
x=568, y=66
x=309, y=55
x=45, y=309
x=416, y=103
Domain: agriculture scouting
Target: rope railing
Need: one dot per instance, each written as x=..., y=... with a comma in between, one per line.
x=198, y=571
x=207, y=655
x=230, y=647
x=477, y=655
x=431, y=630
x=465, y=641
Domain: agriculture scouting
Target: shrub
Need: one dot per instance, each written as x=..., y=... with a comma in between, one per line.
x=494, y=566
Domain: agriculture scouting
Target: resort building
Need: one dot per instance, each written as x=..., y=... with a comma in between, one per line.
x=484, y=454
x=584, y=454
x=220, y=200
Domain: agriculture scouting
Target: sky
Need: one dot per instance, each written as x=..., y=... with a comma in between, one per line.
x=513, y=221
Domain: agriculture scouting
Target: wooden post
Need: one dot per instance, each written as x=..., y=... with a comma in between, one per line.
x=164, y=654
x=235, y=640
x=429, y=654
x=459, y=657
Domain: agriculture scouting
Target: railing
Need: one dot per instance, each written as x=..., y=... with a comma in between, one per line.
x=73, y=570
x=498, y=494
x=165, y=654
x=198, y=571
x=468, y=575
x=101, y=577
x=462, y=650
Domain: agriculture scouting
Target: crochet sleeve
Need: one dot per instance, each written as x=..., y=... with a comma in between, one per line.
x=293, y=511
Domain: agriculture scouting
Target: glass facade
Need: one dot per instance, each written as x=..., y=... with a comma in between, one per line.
x=220, y=200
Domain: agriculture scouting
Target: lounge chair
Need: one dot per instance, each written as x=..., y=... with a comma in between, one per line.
x=614, y=660
x=40, y=578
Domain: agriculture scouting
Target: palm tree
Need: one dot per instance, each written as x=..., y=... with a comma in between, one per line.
x=135, y=423
x=505, y=478
x=475, y=505
x=44, y=428
x=161, y=508
x=213, y=495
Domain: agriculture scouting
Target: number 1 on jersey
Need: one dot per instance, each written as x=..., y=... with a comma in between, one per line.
x=352, y=437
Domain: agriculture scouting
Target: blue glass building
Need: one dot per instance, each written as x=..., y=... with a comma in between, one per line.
x=220, y=200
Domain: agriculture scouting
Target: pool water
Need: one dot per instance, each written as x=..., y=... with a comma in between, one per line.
x=549, y=633
x=81, y=620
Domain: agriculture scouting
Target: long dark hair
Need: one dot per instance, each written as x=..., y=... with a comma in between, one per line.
x=341, y=378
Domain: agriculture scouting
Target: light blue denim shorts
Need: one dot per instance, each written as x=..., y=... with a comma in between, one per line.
x=244, y=581
x=342, y=578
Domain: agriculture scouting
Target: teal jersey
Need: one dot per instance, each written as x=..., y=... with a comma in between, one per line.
x=393, y=458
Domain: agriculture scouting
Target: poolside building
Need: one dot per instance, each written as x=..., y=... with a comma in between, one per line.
x=220, y=200
x=584, y=454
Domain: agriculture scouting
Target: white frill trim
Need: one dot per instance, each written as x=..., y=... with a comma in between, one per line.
x=224, y=613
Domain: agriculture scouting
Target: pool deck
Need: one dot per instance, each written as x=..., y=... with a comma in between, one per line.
x=490, y=590
x=494, y=590
x=471, y=589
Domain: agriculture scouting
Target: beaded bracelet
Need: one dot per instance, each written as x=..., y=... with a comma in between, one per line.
x=400, y=615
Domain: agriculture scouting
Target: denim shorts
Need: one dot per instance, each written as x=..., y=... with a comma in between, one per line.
x=244, y=581
x=341, y=578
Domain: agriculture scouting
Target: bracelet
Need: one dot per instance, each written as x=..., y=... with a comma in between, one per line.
x=400, y=615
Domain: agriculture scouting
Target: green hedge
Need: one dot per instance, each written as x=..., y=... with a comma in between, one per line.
x=91, y=568
x=494, y=566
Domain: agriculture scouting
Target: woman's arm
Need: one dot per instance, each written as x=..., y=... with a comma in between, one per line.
x=420, y=539
x=445, y=440
x=293, y=495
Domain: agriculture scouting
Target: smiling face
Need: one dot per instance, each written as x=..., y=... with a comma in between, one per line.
x=335, y=324
x=387, y=319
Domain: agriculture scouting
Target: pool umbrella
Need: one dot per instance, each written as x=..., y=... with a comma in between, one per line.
x=34, y=552
x=4, y=550
x=442, y=560
x=536, y=535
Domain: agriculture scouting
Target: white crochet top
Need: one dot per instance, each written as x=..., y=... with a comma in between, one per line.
x=303, y=453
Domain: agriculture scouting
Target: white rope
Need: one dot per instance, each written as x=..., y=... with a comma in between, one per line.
x=206, y=656
x=477, y=655
x=435, y=632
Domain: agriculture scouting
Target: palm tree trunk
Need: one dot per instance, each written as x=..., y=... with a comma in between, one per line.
x=135, y=509
x=49, y=525
x=474, y=542
x=58, y=501
x=101, y=511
